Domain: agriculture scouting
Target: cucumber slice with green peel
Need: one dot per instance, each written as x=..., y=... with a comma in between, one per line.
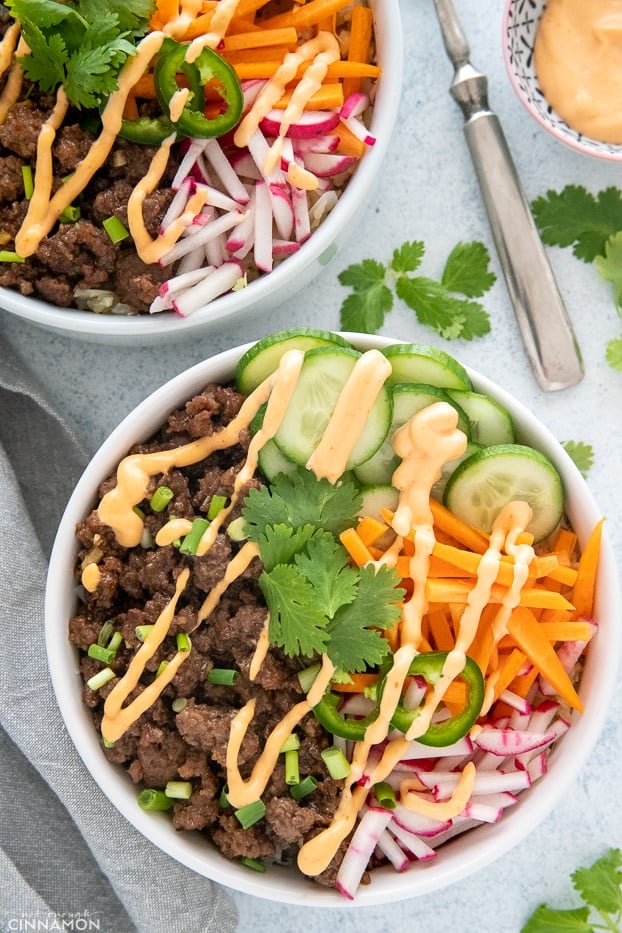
x=413, y=362
x=448, y=468
x=408, y=399
x=272, y=461
x=323, y=376
x=376, y=498
x=491, y=423
x=486, y=481
x=263, y=358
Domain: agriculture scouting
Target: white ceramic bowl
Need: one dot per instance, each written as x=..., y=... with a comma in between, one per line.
x=289, y=276
x=457, y=859
x=520, y=25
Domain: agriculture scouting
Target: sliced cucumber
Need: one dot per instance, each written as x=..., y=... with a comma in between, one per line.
x=413, y=362
x=490, y=422
x=439, y=486
x=408, y=399
x=323, y=376
x=483, y=483
x=263, y=357
x=376, y=498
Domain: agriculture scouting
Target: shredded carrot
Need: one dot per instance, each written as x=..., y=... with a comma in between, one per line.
x=508, y=668
x=349, y=144
x=130, y=110
x=584, y=588
x=442, y=590
x=310, y=14
x=355, y=547
x=342, y=69
x=328, y=97
x=250, y=56
x=441, y=634
x=361, y=26
x=457, y=529
x=529, y=637
x=370, y=529
x=261, y=37
x=359, y=683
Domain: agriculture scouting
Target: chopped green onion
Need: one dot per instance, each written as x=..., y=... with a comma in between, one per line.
x=154, y=800
x=136, y=509
x=183, y=642
x=29, y=186
x=162, y=667
x=336, y=762
x=237, y=529
x=217, y=504
x=222, y=676
x=107, y=744
x=161, y=498
x=191, y=542
x=115, y=229
x=9, y=255
x=291, y=742
x=115, y=642
x=223, y=800
x=105, y=634
x=179, y=790
x=385, y=795
x=292, y=769
x=251, y=813
x=100, y=678
x=70, y=214
x=306, y=787
x=255, y=863
x=178, y=704
x=101, y=654
x=142, y=632
x=307, y=676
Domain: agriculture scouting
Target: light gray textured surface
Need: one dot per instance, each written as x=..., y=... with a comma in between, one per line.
x=428, y=191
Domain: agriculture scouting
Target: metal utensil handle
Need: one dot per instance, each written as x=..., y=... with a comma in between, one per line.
x=541, y=314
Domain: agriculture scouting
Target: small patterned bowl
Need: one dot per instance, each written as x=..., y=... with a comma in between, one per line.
x=520, y=25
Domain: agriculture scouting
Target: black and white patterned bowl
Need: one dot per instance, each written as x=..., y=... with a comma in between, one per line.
x=520, y=25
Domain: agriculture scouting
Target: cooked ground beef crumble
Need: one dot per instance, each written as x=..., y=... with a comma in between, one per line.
x=190, y=745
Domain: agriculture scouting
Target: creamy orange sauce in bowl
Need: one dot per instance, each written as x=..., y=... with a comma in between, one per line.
x=562, y=58
x=462, y=856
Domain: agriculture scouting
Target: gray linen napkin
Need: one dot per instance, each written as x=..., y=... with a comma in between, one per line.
x=67, y=859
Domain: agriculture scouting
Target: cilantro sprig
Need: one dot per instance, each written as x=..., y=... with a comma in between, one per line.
x=592, y=226
x=436, y=305
x=81, y=44
x=316, y=600
x=600, y=887
x=581, y=453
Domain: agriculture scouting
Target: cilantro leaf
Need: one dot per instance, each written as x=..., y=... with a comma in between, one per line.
x=582, y=454
x=364, y=310
x=297, y=623
x=355, y=639
x=546, y=920
x=434, y=303
x=408, y=256
x=299, y=500
x=325, y=564
x=610, y=265
x=279, y=543
x=614, y=353
x=466, y=270
x=574, y=217
x=600, y=885
x=81, y=45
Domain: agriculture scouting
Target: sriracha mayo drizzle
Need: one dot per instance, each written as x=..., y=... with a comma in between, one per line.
x=425, y=443
x=577, y=59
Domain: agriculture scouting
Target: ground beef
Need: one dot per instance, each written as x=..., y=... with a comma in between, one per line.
x=183, y=736
x=78, y=255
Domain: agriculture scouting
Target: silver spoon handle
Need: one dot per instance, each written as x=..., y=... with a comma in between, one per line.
x=540, y=311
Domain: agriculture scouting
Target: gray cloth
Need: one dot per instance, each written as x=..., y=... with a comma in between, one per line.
x=68, y=860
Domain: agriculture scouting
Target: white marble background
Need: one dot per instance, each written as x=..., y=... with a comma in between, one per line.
x=428, y=191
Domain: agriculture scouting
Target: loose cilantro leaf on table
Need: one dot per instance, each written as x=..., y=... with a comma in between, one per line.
x=592, y=225
x=317, y=602
x=582, y=454
x=600, y=887
x=81, y=45
x=437, y=305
